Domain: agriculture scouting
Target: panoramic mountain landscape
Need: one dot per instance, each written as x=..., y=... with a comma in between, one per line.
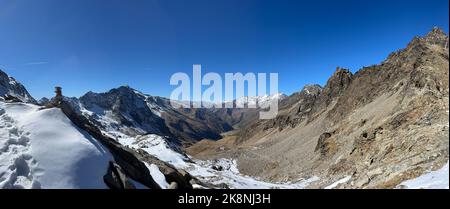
x=384, y=126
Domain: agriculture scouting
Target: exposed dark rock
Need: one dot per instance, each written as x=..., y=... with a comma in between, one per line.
x=336, y=85
x=321, y=141
x=217, y=167
x=11, y=99
x=181, y=177
x=115, y=178
x=173, y=185
x=325, y=145
x=369, y=135
x=365, y=140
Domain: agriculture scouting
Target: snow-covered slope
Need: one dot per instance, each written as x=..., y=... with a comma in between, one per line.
x=340, y=181
x=43, y=149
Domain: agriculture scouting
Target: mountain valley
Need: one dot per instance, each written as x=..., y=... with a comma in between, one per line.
x=376, y=128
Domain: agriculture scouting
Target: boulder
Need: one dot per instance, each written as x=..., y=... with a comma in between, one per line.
x=326, y=145
x=115, y=178
x=173, y=185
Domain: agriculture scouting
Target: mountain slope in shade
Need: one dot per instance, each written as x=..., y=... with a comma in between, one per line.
x=10, y=87
x=126, y=112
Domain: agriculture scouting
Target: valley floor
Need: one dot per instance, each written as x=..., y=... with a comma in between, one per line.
x=221, y=172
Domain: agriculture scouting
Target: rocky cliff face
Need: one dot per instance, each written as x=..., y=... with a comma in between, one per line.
x=10, y=89
x=125, y=108
x=382, y=125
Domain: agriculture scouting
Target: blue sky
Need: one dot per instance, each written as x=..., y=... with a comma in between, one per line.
x=97, y=45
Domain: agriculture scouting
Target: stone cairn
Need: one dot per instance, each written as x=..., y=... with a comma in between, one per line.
x=57, y=100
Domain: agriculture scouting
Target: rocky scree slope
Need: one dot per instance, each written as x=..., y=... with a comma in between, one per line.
x=382, y=125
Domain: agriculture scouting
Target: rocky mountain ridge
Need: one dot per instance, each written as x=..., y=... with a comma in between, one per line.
x=382, y=125
x=12, y=90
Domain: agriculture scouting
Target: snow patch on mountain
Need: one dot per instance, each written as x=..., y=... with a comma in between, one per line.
x=340, y=181
x=230, y=175
x=157, y=175
x=433, y=180
x=157, y=146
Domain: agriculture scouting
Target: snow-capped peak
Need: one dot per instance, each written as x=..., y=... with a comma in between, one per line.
x=312, y=89
x=260, y=101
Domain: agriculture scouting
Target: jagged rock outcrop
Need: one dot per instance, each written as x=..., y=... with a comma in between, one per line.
x=437, y=37
x=349, y=91
x=12, y=90
x=312, y=89
x=115, y=178
x=335, y=87
x=325, y=145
